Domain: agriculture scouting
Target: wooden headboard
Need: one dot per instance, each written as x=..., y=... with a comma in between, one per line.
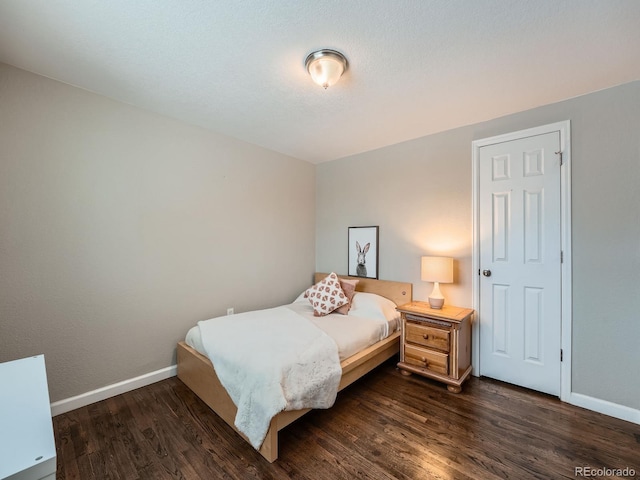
x=398, y=292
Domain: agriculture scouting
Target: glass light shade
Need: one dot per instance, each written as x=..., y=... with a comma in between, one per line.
x=326, y=67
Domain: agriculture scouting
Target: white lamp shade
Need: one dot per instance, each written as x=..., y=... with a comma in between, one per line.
x=437, y=269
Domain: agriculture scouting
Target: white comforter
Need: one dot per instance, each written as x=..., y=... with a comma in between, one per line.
x=267, y=372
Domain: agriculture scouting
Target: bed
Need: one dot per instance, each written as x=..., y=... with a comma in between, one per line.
x=197, y=372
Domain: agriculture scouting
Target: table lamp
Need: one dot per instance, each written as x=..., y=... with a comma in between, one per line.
x=437, y=270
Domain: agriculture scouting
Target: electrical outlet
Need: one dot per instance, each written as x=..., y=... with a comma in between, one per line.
x=230, y=311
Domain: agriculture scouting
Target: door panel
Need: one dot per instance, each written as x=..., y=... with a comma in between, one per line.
x=520, y=302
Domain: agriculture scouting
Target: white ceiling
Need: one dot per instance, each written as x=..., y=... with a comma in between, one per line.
x=416, y=66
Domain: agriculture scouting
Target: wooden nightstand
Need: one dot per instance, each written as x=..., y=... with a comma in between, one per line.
x=436, y=343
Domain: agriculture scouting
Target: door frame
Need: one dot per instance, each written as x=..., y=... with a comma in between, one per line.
x=564, y=127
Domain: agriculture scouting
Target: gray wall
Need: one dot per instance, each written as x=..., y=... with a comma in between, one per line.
x=419, y=193
x=120, y=229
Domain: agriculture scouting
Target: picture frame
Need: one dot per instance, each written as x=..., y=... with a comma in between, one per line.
x=363, y=252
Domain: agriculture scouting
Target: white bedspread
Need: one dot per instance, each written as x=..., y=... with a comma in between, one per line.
x=267, y=373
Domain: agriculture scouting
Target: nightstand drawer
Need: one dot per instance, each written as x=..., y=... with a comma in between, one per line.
x=429, y=359
x=428, y=336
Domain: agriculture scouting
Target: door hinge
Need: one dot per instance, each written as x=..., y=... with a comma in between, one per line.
x=561, y=256
x=561, y=160
x=561, y=355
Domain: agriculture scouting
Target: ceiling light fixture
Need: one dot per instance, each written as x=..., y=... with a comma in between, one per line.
x=326, y=67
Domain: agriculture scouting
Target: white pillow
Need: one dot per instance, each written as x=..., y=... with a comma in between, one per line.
x=370, y=305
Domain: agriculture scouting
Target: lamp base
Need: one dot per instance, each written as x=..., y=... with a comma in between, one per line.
x=436, y=303
x=436, y=300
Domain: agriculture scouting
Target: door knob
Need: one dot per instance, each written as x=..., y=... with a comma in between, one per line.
x=486, y=273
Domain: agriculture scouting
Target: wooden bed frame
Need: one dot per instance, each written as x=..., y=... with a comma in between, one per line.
x=197, y=372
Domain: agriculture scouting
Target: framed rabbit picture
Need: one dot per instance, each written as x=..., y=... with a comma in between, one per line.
x=363, y=252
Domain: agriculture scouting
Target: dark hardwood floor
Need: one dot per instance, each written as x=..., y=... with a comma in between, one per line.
x=385, y=426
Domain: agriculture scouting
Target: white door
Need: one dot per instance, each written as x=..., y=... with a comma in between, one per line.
x=520, y=262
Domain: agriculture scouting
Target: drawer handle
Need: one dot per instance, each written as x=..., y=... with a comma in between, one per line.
x=424, y=360
x=425, y=336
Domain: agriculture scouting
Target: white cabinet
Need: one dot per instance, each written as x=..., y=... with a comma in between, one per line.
x=27, y=446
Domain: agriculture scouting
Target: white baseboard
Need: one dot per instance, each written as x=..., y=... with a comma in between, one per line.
x=603, y=406
x=62, y=406
x=68, y=404
x=595, y=404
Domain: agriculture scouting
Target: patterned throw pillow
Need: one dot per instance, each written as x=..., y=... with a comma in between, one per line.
x=326, y=295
